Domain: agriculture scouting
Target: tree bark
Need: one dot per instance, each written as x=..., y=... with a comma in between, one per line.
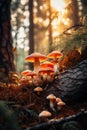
x=77, y=122
x=6, y=53
x=31, y=31
x=71, y=85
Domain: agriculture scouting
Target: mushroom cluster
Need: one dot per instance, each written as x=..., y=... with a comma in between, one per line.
x=44, y=68
x=55, y=101
x=55, y=105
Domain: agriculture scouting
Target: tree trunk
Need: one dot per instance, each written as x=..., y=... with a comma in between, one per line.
x=50, y=27
x=6, y=54
x=31, y=31
x=71, y=85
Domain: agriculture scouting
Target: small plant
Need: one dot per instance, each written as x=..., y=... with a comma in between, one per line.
x=71, y=125
x=8, y=118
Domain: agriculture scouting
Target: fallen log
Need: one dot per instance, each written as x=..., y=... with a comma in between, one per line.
x=70, y=85
x=74, y=122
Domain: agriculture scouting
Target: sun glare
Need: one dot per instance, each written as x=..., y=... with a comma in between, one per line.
x=59, y=5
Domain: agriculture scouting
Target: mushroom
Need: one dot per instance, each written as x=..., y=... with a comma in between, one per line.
x=29, y=74
x=25, y=72
x=38, y=90
x=55, y=55
x=36, y=58
x=58, y=100
x=32, y=74
x=44, y=115
x=60, y=104
x=47, y=73
x=52, y=99
x=47, y=64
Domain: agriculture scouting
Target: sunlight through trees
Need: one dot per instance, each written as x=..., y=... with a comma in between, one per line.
x=50, y=19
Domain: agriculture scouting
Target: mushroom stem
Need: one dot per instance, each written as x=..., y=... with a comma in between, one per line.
x=52, y=105
x=56, y=68
x=36, y=64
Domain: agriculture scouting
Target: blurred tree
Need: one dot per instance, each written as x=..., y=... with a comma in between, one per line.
x=35, y=28
x=41, y=22
x=6, y=51
x=50, y=27
x=31, y=31
x=20, y=32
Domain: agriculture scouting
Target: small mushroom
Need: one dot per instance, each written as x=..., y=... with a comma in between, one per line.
x=36, y=58
x=47, y=73
x=52, y=99
x=55, y=55
x=58, y=99
x=61, y=104
x=38, y=90
x=47, y=64
x=25, y=72
x=44, y=115
x=32, y=74
x=29, y=73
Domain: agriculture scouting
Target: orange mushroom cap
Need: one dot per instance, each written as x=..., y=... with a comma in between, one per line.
x=36, y=58
x=38, y=89
x=61, y=103
x=46, y=70
x=35, y=55
x=55, y=54
x=58, y=100
x=45, y=113
x=25, y=72
x=29, y=73
x=51, y=97
x=47, y=64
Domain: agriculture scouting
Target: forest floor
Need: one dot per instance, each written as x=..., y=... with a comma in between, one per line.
x=27, y=105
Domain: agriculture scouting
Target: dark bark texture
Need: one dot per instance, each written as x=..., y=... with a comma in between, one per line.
x=74, y=122
x=71, y=85
x=6, y=53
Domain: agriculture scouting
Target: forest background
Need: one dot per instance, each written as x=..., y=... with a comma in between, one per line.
x=43, y=26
